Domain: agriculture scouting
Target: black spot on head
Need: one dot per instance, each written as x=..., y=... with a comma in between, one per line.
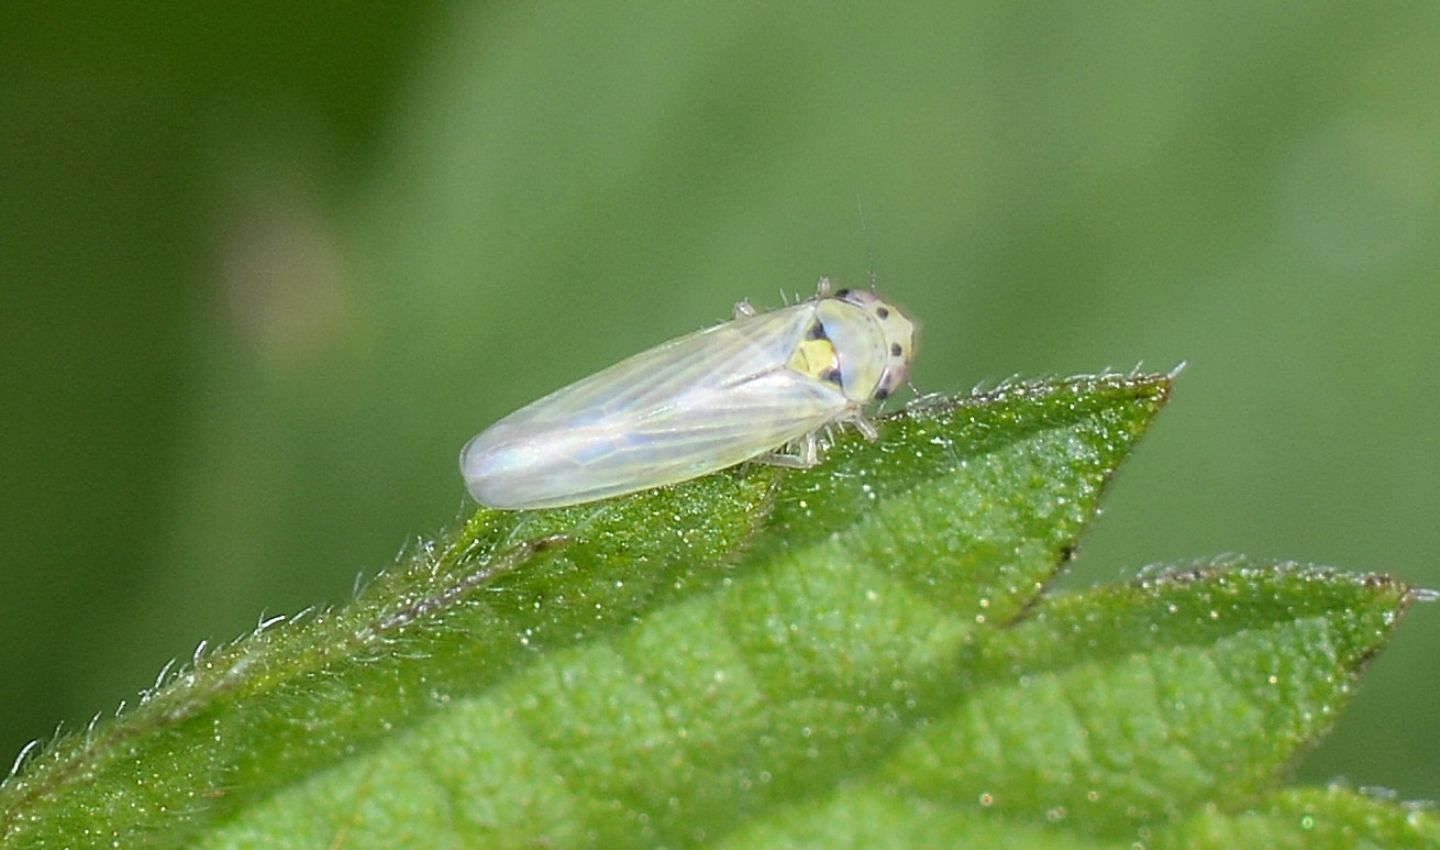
x=831, y=375
x=882, y=312
x=816, y=331
x=882, y=394
x=896, y=350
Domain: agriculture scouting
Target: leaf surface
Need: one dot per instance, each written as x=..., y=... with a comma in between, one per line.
x=856, y=654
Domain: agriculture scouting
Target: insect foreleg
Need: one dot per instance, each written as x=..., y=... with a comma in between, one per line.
x=866, y=428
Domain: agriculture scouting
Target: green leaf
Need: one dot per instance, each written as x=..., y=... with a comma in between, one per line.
x=857, y=654
x=1332, y=818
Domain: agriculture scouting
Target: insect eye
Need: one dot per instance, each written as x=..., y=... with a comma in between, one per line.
x=842, y=293
x=896, y=350
x=882, y=394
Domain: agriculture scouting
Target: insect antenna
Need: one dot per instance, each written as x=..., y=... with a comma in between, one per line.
x=869, y=247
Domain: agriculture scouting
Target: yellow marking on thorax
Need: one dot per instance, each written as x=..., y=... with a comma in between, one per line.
x=813, y=358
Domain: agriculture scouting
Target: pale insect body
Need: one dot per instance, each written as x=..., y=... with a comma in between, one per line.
x=742, y=390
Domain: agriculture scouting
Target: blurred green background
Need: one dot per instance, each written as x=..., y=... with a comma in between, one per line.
x=265, y=267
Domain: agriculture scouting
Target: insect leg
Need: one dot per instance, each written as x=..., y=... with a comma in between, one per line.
x=810, y=449
x=866, y=427
x=802, y=454
x=744, y=308
x=824, y=287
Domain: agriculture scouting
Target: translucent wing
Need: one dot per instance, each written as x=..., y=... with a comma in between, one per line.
x=694, y=405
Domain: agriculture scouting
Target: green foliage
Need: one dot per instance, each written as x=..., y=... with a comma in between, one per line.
x=857, y=655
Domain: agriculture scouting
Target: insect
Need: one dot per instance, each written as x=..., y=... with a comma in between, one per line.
x=760, y=387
